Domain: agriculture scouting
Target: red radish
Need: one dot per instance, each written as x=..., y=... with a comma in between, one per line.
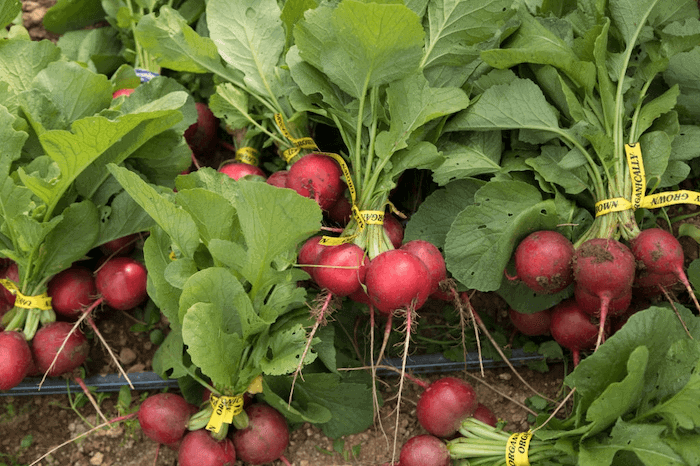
x=572, y=328
x=15, y=359
x=591, y=304
x=341, y=211
x=603, y=268
x=120, y=246
x=199, y=448
x=394, y=230
x=265, y=438
x=485, y=415
x=397, y=279
x=71, y=291
x=48, y=341
x=431, y=257
x=660, y=261
x=543, y=261
x=318, y=177
x=533, y=324
x=121, y=92
x=163, y=417
x=444, y=405
x=360, y=296
x=341, y=269
x=309, y=253
x=278, y=178
x=7, y=299
x=122, y=282
x=201, y=135
x=238, y=170
x=424, y=450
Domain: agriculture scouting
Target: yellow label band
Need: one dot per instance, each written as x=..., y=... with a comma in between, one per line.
x=247, y=155
x=225, y=408
x=42, y=301
x=636, y=167
x=516, y=449
x=373, y=217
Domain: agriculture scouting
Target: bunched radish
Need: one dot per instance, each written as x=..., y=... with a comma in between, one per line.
x=543, y=261
x=265, y=438
x=536, y=323
x=424, y=450
x=48, y=341
x=431, y=257
x=199, y=448
x=122, y=282
x=318, y=177
x=341, y=269
x=237, y=170
x=163, y=417
x=572, y=328
x=444, y=405
x=71, y=291
x=15, y=359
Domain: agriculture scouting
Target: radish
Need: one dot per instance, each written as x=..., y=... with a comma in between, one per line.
x=572, y=328
x=432, y=258
x=199, y=448
x=265, y=438
x=318, y=177
x=543, y=261
x=120, y=246
x=122, y=282
x=237, y=170
x=393, y=230
x=341, y=269
x=444, y=405
x=15, y=359
x=397, y=279
x=278, y=178
x=533, y=324
x=163, y=417
x=48, y=341
x=424, y=450
x=341, y=211
x=309, y=253
x=201, y=135
x=121, y=92
x=604, y=271
x=660, y=261
x=7, y=299
x=485, y=415
x=71, y=291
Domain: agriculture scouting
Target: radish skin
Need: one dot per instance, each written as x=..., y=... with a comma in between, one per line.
x=444, y=405
x=543, y=262
x=397, y=279
x=15, y=359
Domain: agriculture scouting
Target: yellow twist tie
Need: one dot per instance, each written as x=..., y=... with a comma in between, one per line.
x=516, y=449
x=42, y=301
x=225, y=408
x=247, y=155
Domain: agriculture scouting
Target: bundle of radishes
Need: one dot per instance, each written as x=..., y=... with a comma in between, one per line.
x=167, y=419
x=606, y=274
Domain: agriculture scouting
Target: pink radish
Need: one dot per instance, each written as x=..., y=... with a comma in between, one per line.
x=431, y=257
x=572, y=328
x=309, y=253
x=199, y=448
x=15, y=359
x=394, y=230
x=543, y=261
x=533, y=324
x=48, y=341
x=397, y=279
x=122, y=282
x=604, y=269
x=318, y=177
x=660, y=261
x=485, y=415
x=201, y=135
x=444, y=405
x=163, y=417
x=278, y=178
x=237, y=170
x=341, y=269
x=265, y=438
x=121, y=92
x=71, y=291
x=424, y=450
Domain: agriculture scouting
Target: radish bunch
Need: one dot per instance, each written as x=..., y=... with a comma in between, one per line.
x=606, y=274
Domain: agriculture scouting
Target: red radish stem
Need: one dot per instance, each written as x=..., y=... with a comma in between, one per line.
x=661, y=258
x=604, y=269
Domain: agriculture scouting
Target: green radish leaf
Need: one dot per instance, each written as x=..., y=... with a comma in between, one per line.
x=574, y=181
x=684, y=70
x=11, y=140
x=687, y=446
x=121, y=218
x=9, y=10
x=276, y=394
x=292, y=13
x=177, y=272
x=628, y=16
x=654, y=109
x=361, y=45
x=522, y=299
x=176, y=222
x=656, y=154
x=167, y=361
x=213, y=349
x=644, y=440
x=68, y=15
x=473, y=154
x=214, y=215
x=231, y=105
x=286, y=347
x=175, y=45
x=99, y=47
x=249, y=37
x=483, y=236
x=156, y=254
x=435, y=214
